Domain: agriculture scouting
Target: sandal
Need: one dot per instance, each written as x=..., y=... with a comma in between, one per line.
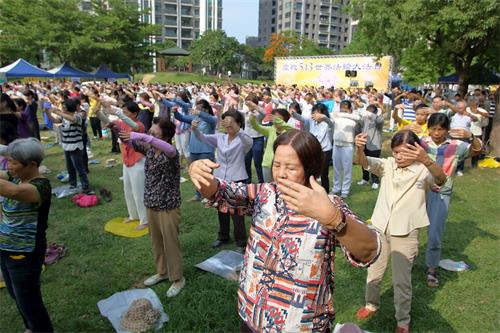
x=432, y=280
x=54, y=253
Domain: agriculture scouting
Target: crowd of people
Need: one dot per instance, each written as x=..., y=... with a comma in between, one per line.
x=294, y=136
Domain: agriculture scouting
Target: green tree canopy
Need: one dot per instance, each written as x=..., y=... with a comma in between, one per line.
x=429, y=37
x=215, y=51
x=111, y=33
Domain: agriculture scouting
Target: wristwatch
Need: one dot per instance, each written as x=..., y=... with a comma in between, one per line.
x=341, y=225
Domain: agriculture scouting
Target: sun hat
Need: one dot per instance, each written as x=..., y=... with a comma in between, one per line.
x=140, y=316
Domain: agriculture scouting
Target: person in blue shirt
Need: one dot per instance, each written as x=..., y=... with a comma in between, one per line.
x=199, y=150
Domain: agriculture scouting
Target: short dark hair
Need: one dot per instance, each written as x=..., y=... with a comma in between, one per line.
x=205, y=106
x=20, y=103
x=167, y=128
x=236, y=115
x=372, y=108
x=308, y=150
x=252, y=97
x=438, y=119
x=404, y=136
x=71, y=104
x=132, y=107
x=282, y=112
x=9, y=103
x=321, y=108
x=296, y=107
x=346, y=103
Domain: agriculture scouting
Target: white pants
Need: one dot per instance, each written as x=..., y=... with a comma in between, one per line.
x=182, y=143
x=342, y=169
x=133, y=186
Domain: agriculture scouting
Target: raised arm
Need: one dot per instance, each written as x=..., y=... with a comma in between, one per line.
x=159, y=144
x=212, y=120
x=183, y=117
x=209, y=139
x=264, y=130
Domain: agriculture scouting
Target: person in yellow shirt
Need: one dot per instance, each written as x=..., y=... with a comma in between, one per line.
x=419, y=126
x=94, y=106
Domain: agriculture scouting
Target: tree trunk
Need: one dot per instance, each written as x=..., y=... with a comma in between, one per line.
x=463, y=82
x=495, y=135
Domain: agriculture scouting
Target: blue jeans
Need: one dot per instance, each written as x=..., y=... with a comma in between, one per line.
x=74, y=164
x=257, y=153
x=201, y=156
x=342, y=169
x=437, y=210
x=22, y=280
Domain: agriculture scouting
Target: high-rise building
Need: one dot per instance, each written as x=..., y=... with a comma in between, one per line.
x=182, y=21
x=322, y=21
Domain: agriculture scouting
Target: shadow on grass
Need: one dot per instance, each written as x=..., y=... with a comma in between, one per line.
x=424, y=317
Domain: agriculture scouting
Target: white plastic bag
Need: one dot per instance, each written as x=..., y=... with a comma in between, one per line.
x=115, y=307
x=454, y=266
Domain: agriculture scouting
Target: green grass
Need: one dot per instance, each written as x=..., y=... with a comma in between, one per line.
x=178, y=77
x=99, y=264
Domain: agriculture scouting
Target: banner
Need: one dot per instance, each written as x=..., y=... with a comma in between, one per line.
x=334, y=71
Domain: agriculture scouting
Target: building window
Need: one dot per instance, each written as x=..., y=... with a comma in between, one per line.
x=298, y=16
x=186, y=33
x=287, y=15
x=171, y=20
x=171, y=9
x=345, y=30
x=297, y=26
x=170, y=32
x=287, y=25
x=186, y=10
x=273, y=21
x=186, y=22
x=345, y=39
x=298, y=6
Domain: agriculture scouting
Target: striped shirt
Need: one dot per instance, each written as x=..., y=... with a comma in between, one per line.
x=72, y=133
x=493, y=109
x=23, y=224
x=408, y=112
x=286, y=281
x=446, y=155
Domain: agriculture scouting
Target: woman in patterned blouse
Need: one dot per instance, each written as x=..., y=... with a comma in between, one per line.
x=162, y=198
x=286, y=283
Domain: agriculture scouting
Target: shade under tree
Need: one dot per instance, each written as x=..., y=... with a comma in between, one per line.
x=478, y=75
x=103, y=72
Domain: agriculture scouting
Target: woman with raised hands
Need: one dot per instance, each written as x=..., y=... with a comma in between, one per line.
x=232, y=147
x=292, y=242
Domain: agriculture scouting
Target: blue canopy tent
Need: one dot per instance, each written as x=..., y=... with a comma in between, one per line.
x=22, y=68
x=66, y=70
x=103, y=72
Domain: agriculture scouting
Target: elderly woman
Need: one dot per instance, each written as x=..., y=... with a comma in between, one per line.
x=286, y=281
x=22, y=230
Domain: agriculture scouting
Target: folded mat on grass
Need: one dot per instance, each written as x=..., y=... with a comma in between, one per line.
x=117, y=227
x=226, y=263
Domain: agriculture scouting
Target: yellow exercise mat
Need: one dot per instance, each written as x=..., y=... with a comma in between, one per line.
x=117, y=227
x=489, y=162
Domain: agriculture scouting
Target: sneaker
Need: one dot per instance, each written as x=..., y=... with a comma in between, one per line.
x=204, y=201
x=176, y=288
x=183, y=180
x=365, y=313
x=375, y=186
x=152, y=280
x=344, y=195
x=460, y=173
x=362, y=182
x=65, y=179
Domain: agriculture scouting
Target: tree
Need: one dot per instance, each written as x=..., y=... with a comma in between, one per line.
x=445, y=34
x=215, y=51
x=58, y=31
x=292, y=44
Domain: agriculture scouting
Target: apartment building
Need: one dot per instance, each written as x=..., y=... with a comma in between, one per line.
x=323, y=21
x=182, y=21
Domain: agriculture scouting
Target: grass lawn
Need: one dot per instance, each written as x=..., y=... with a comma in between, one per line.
x=98, y=264
x=178, y=77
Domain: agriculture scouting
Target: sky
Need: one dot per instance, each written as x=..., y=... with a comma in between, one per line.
x=240, y=18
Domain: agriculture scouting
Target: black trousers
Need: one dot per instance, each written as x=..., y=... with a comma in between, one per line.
x=240, y=232
x=95, y=123
x=115, y=146
x=325, y=181
x=366, y=174
x=21, y=273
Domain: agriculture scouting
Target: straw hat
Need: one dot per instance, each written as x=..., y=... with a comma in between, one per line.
x=140, y=317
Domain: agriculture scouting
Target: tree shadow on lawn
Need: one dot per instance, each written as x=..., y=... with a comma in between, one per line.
x=457, y=237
